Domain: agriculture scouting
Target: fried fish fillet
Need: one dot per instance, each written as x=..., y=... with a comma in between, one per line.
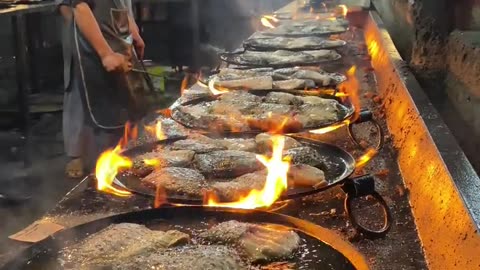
x=259, y=243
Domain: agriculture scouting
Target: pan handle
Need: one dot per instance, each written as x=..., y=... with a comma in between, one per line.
x=366, y=116
x=361, y=187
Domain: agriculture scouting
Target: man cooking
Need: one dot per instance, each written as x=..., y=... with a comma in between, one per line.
x=101, y=44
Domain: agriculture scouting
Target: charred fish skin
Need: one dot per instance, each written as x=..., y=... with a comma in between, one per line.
x=300, y=43
x=161, y=159
x=233, y=189
x=304, y=155
x=196, y=146
x=178, y=181
x=226, y=163
x=265, y=144
x=118, y=242
x=205, y=257
x=258, y=243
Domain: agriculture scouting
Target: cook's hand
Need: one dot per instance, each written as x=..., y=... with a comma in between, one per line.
x=116, y=62
x=139, y=45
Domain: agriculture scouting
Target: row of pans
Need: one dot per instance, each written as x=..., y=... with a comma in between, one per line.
x=339, y=166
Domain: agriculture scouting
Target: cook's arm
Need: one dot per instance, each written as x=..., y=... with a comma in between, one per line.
x=88, y=26
x=137, y=39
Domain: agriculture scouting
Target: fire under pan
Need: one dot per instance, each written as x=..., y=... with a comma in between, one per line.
x=421, y=172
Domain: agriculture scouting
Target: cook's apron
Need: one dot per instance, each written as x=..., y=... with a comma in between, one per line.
x=110, y=99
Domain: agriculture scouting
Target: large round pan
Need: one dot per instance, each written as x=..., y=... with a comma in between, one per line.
x=337, y=78
x=321, y=248
x=337, y=165
x=250, y=44
x=345, y=107
x=233, y=58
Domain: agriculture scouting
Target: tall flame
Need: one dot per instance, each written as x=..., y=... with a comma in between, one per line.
x=184, y=84
x=275, y=185
x=130, y=133
x=267, y=21
x=364, y=159
x=330, y=128
x=373, y=48
x=218, y=90
x=343, y=10
x=352, y=87
x=156, y=130
x=107, y=168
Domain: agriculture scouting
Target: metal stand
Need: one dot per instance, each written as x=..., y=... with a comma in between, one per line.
x=20, y=41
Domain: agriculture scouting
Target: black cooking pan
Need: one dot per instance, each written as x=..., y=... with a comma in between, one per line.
x=233, y=58
x=320, y=248
x=338, y=166
x=345, y=107
x=250, y=44
x=337, y=78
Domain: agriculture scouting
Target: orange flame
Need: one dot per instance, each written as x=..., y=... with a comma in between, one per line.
x=373, y=49
x=343, y=10
x=108, y=165
x=165, y=112
x=151, y=162
x=218, y=90
x=330, y=128
x=267, y=21
x=351, y=86
x=130, y=133
x=184, y=84
x=156, y=130
x=363, y=160
x=275, y=185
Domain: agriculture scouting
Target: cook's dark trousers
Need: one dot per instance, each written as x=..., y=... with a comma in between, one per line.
x=81, y=139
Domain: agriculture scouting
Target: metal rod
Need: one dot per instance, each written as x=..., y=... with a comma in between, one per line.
x=20, y=43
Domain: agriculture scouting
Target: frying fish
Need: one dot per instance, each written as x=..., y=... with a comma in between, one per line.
x=281, y=57
x=250, y=83
x=226, y=163
x=238, y=144
x=299, y=30
x=304, y=155
x=172, y=129
x=204, y=117
x=293, y=84
x=259, y=243
x=301, y=43
x=265, y=144
x=205, y=257
x=305, y=175
x=118, y=242
x=319, y=76
x=241, y=111
x=247, y=145
x=179, y=181
x=314, y=115
x=161, y=159
x=196, y=146
x=232, y=190
x=282, y=98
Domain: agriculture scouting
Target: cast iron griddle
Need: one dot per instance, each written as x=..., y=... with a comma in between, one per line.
x=320, y=248
x=345, y=107
x=249, y=44
x=337, y=165
x=234, y=59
